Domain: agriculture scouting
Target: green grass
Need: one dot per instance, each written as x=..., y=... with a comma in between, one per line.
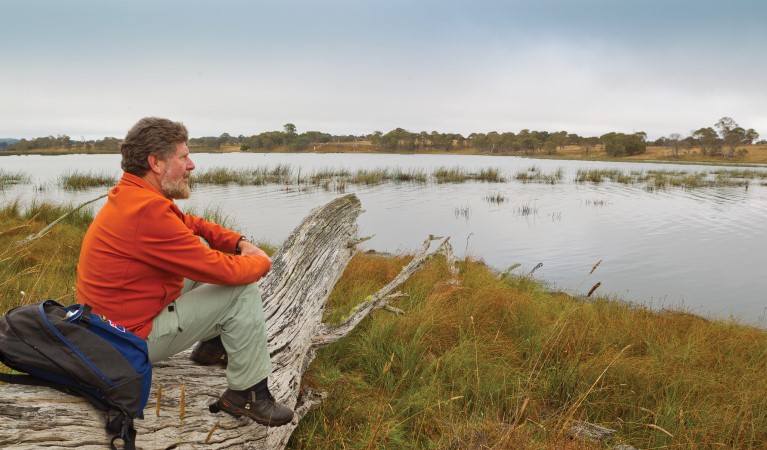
x=77, y=180
x=482, y=360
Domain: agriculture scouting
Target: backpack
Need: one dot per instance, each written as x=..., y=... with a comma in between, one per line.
x=71, y=349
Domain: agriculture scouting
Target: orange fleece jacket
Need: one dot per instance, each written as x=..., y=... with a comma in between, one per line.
x=140, y=247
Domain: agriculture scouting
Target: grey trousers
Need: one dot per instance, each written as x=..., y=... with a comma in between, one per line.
x=204, y=311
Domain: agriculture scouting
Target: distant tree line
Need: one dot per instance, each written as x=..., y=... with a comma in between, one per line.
x=525, y=142
x=290, y=138
x=721, y=139
x=106, y=145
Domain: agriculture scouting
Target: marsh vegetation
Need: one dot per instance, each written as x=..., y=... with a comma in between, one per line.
x=8, y=178
x=338, y=178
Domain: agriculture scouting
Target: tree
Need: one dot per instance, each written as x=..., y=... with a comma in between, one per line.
x=530, y=144
x=224, y=139
x=732, y=134
x=550, y=146
x=709, y=142
x=588, y=143
x=674, y=141
x=619, y=144
x=751, y=136
x=289, y=128
x=299, y=143
x=493, y=141
x=559, y=139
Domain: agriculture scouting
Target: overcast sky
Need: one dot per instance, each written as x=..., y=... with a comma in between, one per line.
x=92, y=68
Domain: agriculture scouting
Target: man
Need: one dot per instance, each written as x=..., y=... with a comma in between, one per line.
x=144, y=266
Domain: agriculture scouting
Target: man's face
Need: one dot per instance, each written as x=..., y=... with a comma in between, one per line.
x=174, y=179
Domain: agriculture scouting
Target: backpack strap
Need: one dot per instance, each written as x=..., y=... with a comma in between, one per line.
x=122, y=428
x=85, y=318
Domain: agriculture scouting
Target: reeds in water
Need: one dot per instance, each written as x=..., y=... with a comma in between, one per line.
x=459, y=175
x=370, y=176
x=74, y=181
x=534, y=175
x=8, y=178
x=258, y=176
x=410, y=175
x=462, y=211
x=450, y=175
x=600, y=175
x=338, y=179
x=496, y=198
x=527, y=210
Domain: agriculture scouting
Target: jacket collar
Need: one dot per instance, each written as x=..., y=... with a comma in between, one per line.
x=136, y=181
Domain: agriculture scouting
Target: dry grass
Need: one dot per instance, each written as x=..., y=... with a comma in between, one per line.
x=757, y=154
x=504, y=364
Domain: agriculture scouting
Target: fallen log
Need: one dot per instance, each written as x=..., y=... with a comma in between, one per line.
x=304, y=271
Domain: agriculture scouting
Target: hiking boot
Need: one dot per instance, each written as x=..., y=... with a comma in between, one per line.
x=210, y=352
x=261, y=407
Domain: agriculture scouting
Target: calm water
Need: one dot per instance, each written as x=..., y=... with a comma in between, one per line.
x=700, y=249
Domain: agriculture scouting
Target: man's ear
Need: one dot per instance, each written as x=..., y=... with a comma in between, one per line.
x=154, y=164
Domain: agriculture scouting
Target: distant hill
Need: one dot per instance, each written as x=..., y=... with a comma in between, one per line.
x=9, y=141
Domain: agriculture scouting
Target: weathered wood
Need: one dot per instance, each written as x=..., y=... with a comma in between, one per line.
x=304, y=271
x=45, y=230
x=582, y=430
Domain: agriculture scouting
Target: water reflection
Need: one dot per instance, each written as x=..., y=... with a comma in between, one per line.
x=699, y=248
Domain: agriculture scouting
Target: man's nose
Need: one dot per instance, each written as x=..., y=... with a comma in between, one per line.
x=189, y=164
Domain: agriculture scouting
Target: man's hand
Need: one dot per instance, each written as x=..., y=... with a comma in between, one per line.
x=246, y=248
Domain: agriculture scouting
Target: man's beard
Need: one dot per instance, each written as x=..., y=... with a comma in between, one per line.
x=178, y=189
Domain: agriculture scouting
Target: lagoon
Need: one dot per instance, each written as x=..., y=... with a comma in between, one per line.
x=698, y=249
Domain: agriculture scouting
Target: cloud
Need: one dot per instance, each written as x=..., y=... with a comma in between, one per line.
x=355, y=67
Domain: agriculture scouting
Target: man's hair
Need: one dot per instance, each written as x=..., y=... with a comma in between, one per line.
x=150, y=136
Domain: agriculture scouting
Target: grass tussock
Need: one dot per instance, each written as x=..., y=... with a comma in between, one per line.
x=279, y=174
x=460, y=175
x=534, y=175
x=481, y=361
x=76, y=181
x=9, y=178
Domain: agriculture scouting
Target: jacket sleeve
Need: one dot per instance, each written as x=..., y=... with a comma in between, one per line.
x=218, y=237
x=164, y=241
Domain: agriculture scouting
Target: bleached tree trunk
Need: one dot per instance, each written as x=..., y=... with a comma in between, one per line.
x=304, y=271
